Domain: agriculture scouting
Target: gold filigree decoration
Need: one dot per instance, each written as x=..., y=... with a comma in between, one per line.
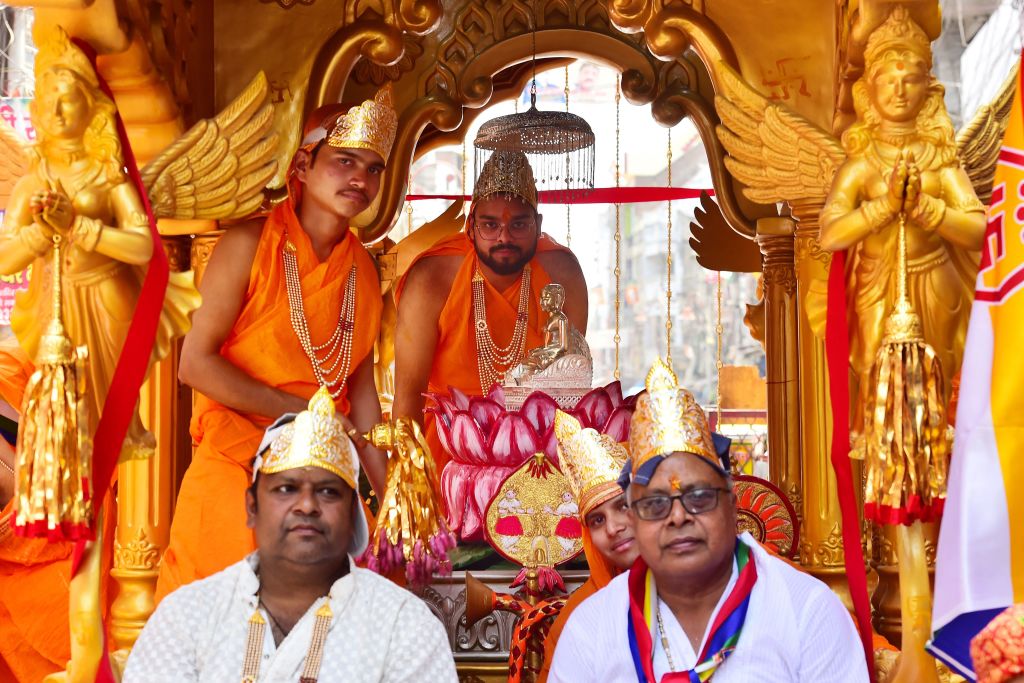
x=139, y=553
x=218, y=169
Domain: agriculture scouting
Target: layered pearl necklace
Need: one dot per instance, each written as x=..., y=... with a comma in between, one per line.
x=331, y=369
x=492, y=361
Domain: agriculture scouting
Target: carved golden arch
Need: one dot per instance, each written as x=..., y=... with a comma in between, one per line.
x=449, y=95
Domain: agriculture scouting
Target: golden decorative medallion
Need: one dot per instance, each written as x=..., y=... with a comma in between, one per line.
x=533, y=519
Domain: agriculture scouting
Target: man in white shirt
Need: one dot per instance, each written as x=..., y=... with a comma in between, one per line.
x=700, y=599
x=298, y=608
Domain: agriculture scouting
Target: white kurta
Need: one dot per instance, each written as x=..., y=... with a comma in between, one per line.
x=379, y=633
x=796, y=630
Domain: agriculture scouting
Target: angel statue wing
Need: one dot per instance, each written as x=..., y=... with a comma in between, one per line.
x=218, y=169
x=775, y=152
x=718, y=246
x=979, y=141
x=13, y=161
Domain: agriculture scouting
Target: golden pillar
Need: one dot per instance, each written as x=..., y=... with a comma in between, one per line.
x=146, y=488
x=821, y=533
x=775, y=237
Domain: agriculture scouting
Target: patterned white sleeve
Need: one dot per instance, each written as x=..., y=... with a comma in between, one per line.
x=573, y=659
x=419, y=650
x=165, y=650
x=831, y=648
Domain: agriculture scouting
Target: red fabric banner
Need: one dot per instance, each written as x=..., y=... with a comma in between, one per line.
x=837, y=354
x=599, y=195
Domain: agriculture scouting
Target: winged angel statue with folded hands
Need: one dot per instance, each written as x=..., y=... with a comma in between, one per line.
x=72, y=183
x=901, y=156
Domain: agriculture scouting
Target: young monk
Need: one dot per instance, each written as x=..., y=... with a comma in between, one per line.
x=289, y=305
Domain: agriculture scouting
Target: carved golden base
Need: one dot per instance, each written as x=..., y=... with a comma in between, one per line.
x=483, y=672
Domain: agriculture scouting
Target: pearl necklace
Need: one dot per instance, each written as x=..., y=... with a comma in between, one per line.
x=492, y=361
x=329, y=373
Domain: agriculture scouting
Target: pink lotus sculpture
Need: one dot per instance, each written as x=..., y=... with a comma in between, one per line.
x=487, y=442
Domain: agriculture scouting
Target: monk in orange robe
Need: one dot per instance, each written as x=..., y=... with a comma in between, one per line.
x=501, y=249
x=34, y=572
x=289, y=305
x=592, y=463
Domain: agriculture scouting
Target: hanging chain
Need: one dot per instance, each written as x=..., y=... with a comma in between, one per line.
x=718, y=361
x=618, y=230
x=464, y=192
x=668, y=262
x=568, y=206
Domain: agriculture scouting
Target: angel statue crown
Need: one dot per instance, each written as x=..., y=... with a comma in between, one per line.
x=507, y=172
x=313, y=438
x=371, y=125
x=590, y=460
x=57, y=51
x=900, y=34
x=667, y=420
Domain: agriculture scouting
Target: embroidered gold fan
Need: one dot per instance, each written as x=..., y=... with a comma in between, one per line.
x=591, y=461
x=668, y=419
x=507, y=172
x=371, y=125
x=315, y=438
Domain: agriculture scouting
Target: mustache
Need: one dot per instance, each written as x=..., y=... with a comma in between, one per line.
x=504, y=247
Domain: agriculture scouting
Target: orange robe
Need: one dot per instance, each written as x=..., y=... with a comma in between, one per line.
x=455, y=363
x=601, y=572
x=34, y=573
x=208, y=531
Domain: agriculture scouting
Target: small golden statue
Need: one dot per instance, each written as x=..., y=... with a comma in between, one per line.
x=561, y=340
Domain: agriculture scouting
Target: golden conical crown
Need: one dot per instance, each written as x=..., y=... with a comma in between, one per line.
x=315, y=438
x=668, y=419
x=898, y=33
x=592, y=462
x=507, y=172
x=371, y=125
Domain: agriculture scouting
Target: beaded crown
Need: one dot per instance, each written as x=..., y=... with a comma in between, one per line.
x=371, y=125
x=668, y=419
x=315, y=438
x=899, y=32
x=592, y=462
x=506, y=172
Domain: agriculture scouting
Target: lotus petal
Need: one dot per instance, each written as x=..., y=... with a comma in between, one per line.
x=594, y=408
x=468, y=443
x=614, y=391
x=539, y=410
x=486, y=482
x=551, y=447
x=512, y=441
x=617, y=426
x=443, y=428
x=443, y=406
x=456, y=483
x=485, y=412
x=460, y=399
x=497, y=394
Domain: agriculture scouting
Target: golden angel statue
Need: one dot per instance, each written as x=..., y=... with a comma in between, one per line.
x=75, y=186
x=76, y=216
x=901, y=155
x=900, y=193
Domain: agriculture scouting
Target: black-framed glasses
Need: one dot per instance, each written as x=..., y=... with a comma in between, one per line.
x=517, y=229
x=694, y=501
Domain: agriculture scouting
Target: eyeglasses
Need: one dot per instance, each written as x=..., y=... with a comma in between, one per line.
x=694, y=501
x=517, y=229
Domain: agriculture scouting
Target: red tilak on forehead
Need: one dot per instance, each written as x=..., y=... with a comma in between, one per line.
x=506, y=214
x=675, y=484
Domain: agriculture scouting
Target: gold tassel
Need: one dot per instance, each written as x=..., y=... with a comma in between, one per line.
x=54, y=447
x=906, y=436
x=411, y=530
